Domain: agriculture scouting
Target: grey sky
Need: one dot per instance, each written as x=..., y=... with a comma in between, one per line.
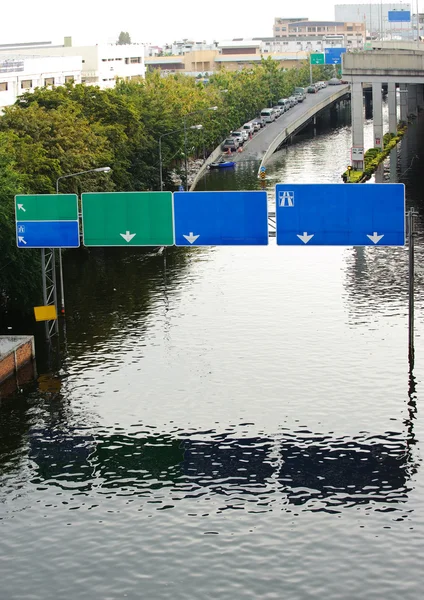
x=95, y=21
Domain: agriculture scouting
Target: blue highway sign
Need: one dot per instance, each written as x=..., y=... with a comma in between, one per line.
x=333, y=56
x=47, y=234
x=221, y=218
x=340, y=214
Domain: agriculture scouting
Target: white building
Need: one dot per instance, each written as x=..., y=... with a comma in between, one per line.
x=21, y=73
x=101, y=64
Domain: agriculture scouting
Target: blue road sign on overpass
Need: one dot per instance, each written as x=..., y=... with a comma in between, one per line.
x=340, y=214
x=47, y=234
x=221, y=218
x=333, y=56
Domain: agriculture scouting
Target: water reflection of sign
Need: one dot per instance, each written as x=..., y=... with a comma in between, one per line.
x=357, y=153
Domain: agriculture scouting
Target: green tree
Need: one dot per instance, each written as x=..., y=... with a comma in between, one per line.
x=19, y=269
x=124, y=38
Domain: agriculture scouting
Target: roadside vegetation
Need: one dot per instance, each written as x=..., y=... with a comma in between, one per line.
x=55, y=132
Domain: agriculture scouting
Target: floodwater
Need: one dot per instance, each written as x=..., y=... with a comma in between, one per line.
x=226, y=422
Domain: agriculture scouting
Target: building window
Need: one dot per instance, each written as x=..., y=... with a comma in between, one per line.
x=48, y=81
x=26, y=84
x=135, y=59
x=349, y=28
x=69, y=79
x=3, y=86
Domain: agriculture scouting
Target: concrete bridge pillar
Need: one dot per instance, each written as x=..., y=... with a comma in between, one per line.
x=420, y=95
x=391, y=97
x=377, y=110
x=357, y=125
x=412, y=99
x=403, y=102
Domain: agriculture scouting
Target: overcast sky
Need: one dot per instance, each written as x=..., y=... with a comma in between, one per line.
x=95, y=21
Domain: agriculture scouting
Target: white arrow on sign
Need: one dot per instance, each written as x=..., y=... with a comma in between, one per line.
x=127, y=236
x=191, y=238
x=21, y=207
x=305, y=237
x=21, y=239
x=375, y=238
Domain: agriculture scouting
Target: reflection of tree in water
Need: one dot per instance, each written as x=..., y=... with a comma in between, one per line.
x=320, y=470
x=114, y=289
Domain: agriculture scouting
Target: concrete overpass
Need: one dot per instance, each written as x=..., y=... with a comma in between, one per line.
x=397, y=64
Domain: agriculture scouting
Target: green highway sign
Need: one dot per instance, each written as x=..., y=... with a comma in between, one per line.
x=127, y=219
x=46, y=207
x=317, y=59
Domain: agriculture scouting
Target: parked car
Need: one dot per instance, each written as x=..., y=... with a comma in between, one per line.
x=285, y=102
x=256, y=125
x=300, y=96
x=230, y=144
x=278, y=111
x=293, y=100
x=268, y=115
x=334, y=81
x=259, y=121
x=312, y=89
x=321, y=84
x=248, y=127
x=300, y=91
x=239, y=136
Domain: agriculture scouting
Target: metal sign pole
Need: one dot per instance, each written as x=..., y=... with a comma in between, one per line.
x=43, y=277
x=411, y=352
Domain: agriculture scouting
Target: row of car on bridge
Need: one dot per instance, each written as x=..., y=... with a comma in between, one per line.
x=238, y=137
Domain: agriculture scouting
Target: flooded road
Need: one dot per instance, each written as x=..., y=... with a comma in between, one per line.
x=226, y=422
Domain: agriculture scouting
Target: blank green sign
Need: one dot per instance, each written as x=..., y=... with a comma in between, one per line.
x=127, y=219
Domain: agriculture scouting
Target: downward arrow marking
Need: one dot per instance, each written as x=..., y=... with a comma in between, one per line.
x=375, y=238
x=127, y=236
x=191, y=238
x=305, y=237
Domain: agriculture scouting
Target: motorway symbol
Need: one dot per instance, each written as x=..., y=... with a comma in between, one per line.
x=221, y=218
x=262, y=169
x=286, y=199
x=47, y=221
x=127, y=219
x=342, y=215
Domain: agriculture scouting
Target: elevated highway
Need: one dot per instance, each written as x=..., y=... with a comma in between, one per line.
x=266, y=141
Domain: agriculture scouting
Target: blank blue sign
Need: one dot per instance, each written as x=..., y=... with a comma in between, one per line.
x=47, y=234
x=221, y=218
x=340, y=214
x=333, y=56
x=398, y=16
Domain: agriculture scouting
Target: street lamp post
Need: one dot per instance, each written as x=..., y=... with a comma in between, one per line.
x=185, y=138
x=98, y=170
x=160, y=148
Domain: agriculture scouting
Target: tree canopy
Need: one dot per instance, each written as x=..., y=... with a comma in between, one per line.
x=54, y=132
x=124, y=38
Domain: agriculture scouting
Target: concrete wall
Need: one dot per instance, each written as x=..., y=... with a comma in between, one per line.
x=15, y=352
x=400, y=66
